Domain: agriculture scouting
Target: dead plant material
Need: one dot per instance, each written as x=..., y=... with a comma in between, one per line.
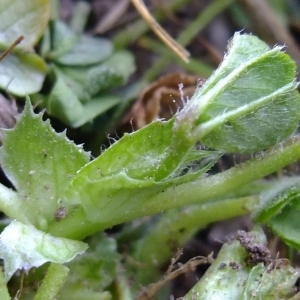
x=256, y=253
x=112, y=16
x=148, y=292
x=11, y=48
x=161, y=99
x=160, y=32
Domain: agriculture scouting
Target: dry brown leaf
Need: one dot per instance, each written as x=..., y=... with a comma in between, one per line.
x=161, y=99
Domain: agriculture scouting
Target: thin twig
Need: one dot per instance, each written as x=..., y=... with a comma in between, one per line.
x=14, y=44
x=148, y=292
x=160, y=32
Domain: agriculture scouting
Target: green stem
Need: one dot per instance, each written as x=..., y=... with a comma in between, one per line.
x=176, y=227
x=55, y=278
x=78, y=226
x=80, y=16
x=54, y=15
x=12, y=205
x=3, y=288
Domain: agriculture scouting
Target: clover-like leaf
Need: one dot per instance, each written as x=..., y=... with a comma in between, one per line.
x=250, y=103
x=23, y=247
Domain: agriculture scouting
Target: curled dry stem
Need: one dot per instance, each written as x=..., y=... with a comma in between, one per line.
x=148, y=292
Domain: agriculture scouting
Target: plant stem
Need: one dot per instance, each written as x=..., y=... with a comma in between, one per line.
x=176, y=227
x=55, y=278
x=80, y=16
x=78, y=226
x=3, y=288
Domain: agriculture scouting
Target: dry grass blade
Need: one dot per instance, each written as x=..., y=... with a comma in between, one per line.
x=112, y=17
x=159, y=31
x=13, y=45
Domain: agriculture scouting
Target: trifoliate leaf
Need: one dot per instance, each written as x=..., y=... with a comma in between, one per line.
x=40, y=163
x=250, y=103
x=23, y=247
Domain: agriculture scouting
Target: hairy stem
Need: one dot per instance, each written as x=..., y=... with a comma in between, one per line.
x=55, y=278
x=76, y=225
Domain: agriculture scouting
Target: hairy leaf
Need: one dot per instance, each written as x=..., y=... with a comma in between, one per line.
x=280, y=210
x=250, y=103
x=40, y=163
x=132, y=171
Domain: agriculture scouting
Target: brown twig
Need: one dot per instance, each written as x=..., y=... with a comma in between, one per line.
x=159, y=31
x=13, y=45
x=148, y=292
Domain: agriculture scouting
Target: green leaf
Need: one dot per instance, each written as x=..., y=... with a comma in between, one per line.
x=60, y=38
x=87, y=51
x=69, y=49
x=141, y=155
x=133, y=170
x=24, y=247
x=250, y=103
x=22, y=73
x=230, y=277
x=23, y=17
x=63, y=102
x=75, y=79
x=113, y=72
x=98, y=266
x=40, y=163
x=280, y=210
x=95, y=107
